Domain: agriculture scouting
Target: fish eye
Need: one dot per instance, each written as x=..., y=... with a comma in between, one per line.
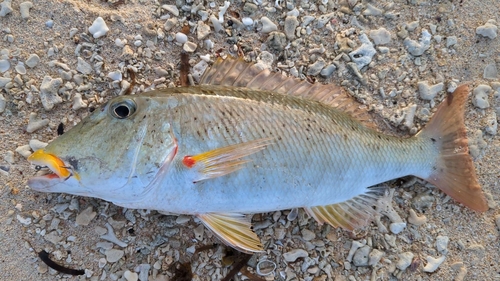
x=123, y=109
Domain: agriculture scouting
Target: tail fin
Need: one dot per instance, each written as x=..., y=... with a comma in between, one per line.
x=454, y=172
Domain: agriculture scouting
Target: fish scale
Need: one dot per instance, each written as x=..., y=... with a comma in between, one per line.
x=250, y=141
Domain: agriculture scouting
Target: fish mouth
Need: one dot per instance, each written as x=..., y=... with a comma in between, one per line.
x=50, y=168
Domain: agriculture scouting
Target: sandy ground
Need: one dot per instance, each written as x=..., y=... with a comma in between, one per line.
x=473, y=247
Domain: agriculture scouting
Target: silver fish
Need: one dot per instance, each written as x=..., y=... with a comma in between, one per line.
x=250, y=141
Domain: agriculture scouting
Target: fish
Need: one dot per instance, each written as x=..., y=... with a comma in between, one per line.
x=247, y=140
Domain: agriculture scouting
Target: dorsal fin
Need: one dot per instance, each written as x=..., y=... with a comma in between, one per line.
x=239, y=73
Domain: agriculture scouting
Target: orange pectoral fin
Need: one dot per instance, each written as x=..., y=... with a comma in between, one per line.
x=225, y=160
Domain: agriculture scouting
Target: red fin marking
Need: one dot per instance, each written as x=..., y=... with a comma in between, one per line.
x=188, y=161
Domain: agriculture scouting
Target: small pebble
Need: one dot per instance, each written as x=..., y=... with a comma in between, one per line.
x=53, y=237
x=489, y=29
x=418, y=48
x=130, y=276
x=32, y=60
x=428, y=92
x=169, y=24
x=372, y=10
x=404, y=261
x=322, y=20
x=247, y=21
x=78, y=102
x=102, y=262
x=361, y=257
x=24, y=150
x=83, y=66
x=4, y=81
x=374, y=257
x=25, y=221
x=198, y=232
x=202, y=31
x=4, y=65
x=36, y=144
x=144, y=271
x=42, y=268
x=364, y=54
x=315, y=68
x=480, y=96
x=6, y=8
x=216, y=23
x=35, y=124
x=111, y=237
x=451, y=41
x=490, y=72
x=276, y=41
x=20, y=68
x=113, y=255
x=294, y=254
x=416, y=220
x=433, y=264
x=354, y=247
x=267, y=25
x=291, y=24
x=9, y=157
x=48, y=92
x=198, y=70
x=412, y=25
x=120, y=43
x=3, y=103
x=115, y=75
x=24, y=8
x=397, y=227
x=189, y=47
x=98, y=28
x=265, y=267
x=171, y=9
x=86, y=216
x=328, y=70
x=491, y=128
x=308, y=235
x=49, y=23
x=462, y=272
x=181, y=37
x=410, y=115
x=423, y=201
x=380, y=36
x=442, y=244
x=127, y=52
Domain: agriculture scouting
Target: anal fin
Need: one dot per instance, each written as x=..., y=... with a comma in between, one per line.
x=351, y=214
x=234, y=230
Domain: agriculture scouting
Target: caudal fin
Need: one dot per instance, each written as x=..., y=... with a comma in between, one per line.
x=454, y=171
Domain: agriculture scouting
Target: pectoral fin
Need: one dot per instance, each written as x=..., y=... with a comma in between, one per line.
x=225, y=160
x=351, y=214
x=234, y=230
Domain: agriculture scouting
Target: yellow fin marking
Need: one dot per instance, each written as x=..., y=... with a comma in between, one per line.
x=234, y=230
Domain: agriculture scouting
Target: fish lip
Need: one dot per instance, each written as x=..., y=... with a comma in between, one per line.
x=59, y=170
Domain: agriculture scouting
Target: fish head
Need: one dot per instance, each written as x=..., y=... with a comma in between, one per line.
x=117, y=153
